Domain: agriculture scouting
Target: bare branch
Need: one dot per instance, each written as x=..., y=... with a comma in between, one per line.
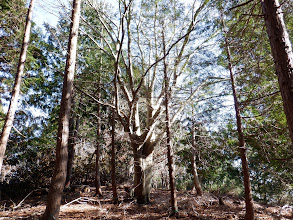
x=205, y=83
x=240, y=5
x=100, y=35
x=18, y=131
x=93, y=98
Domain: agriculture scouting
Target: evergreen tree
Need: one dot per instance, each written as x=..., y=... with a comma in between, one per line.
x=16, y=87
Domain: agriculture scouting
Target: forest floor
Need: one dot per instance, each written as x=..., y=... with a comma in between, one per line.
x=82, y=204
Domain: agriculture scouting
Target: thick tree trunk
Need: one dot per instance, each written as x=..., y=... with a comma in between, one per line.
x=249, y=215
x=193, y=163
x=143, y=159
x=282, y=53
x=59, y=175
x=113, y=158
x=16, y=87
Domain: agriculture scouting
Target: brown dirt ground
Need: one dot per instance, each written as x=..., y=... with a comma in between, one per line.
x=84, y=205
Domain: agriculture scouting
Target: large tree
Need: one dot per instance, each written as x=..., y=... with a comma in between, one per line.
x=135, y=47
x=60, y=171
x=282, y=54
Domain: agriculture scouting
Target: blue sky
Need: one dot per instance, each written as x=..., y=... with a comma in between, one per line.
x=48, y=11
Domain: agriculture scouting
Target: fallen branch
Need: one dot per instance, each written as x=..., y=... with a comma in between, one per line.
x=19, y=204
x=82, y=200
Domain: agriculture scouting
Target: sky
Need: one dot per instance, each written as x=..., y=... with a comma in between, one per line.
x=48, y=11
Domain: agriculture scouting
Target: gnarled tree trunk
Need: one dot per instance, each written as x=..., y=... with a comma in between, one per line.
x=143, y=159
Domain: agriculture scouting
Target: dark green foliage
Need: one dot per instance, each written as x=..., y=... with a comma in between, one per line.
x=263, y=119
x=11, y=33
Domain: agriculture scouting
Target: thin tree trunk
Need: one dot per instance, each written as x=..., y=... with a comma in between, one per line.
x=193, y=162
x=98, y=179
x=174, y=206
x=98, y=175
x=16, y=87
x=282, y=53
x=59, y=175
x=113, y=157
x=249, y=215
x=98, y=150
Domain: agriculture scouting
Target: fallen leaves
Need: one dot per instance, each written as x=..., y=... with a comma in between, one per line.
x=86, y=206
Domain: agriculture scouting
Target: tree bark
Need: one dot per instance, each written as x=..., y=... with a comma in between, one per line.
x=174, y=206
x=113, y=157
x=282, y=53
x=193, y=163
x=98, y=179
x=249, y=215
x=73, y=132
x=143, y=158
x=70, y=151
x=98, y=150
x=60, y=170
x=16, y=87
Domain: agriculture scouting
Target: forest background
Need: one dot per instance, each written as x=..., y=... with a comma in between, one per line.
x=201, y=105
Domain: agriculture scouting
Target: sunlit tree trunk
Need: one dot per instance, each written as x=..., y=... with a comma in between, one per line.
x=70, y=152
x=16, y=87
x=249, y=215
x=73, y=132
x=60, y=170
x=282, y=53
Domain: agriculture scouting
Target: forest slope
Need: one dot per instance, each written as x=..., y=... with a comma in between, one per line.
x=83, y=205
